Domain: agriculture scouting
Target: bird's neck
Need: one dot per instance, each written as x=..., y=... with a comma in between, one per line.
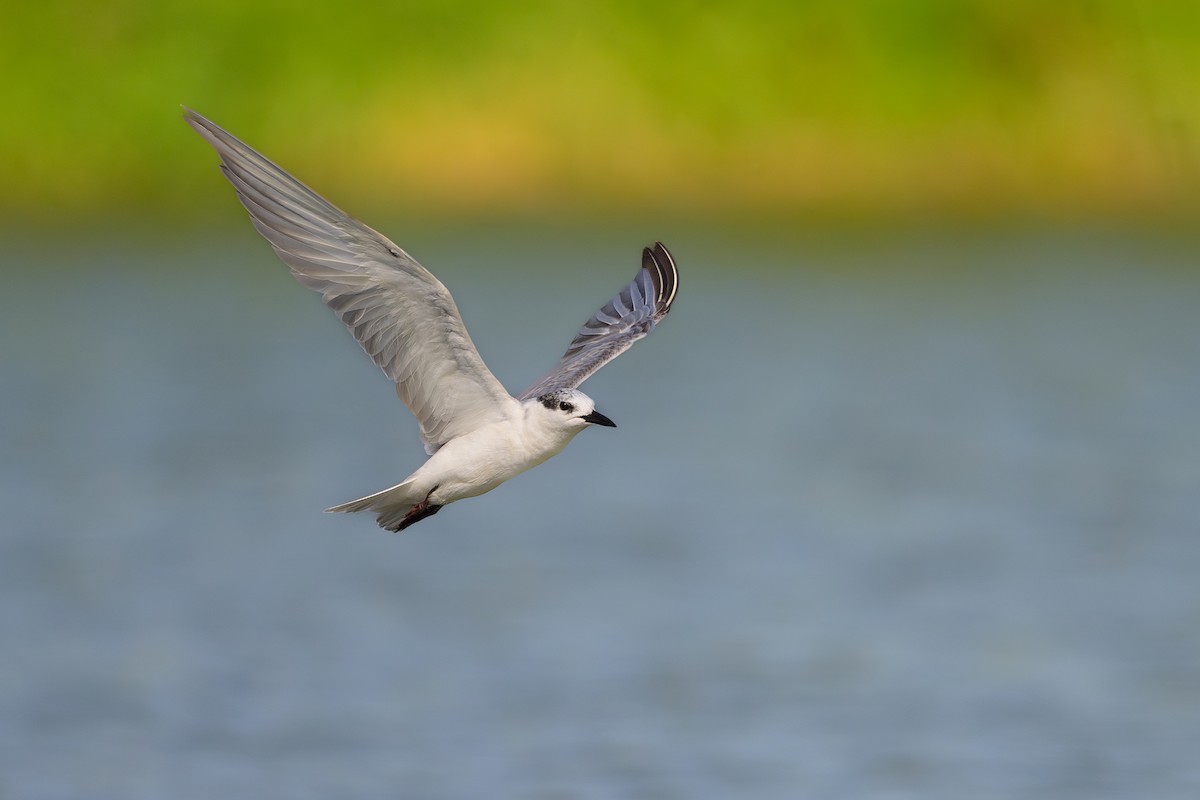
x=543, y=434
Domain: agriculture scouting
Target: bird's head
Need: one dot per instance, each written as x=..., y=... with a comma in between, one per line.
x=567, y=410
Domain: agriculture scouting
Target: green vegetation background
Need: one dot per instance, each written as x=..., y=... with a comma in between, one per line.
x=876, y=109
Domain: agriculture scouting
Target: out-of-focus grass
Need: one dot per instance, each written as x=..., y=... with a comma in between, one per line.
x=873, y=108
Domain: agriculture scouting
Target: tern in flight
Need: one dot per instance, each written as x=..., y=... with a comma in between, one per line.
x=476, y=434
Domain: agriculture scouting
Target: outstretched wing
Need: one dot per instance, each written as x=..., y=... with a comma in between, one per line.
x=402, y=316
x=612, y=330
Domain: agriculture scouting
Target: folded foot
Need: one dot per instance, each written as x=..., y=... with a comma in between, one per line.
x=417, y=513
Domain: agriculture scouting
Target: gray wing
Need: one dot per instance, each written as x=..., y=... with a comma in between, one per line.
x=402, y=316
x=612, y=330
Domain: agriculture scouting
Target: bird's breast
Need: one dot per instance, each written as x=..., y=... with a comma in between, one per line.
x=485, y=458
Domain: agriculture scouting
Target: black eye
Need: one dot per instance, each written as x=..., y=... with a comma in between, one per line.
x=565, y=406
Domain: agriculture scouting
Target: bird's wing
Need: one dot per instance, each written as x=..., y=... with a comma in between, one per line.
x=613, y=329
x=401, y=314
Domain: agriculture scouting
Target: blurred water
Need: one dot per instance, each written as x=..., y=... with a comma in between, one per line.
x=908, y=519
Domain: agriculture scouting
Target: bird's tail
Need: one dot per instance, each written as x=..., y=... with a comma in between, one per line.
x=393, y=502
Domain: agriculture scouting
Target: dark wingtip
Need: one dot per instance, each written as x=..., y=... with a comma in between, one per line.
x=661, y=264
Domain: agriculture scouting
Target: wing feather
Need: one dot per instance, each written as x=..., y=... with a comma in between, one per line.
x=402, y=315
x=612, y=330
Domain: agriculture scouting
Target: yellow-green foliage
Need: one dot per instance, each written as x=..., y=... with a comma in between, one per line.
x=827, y=107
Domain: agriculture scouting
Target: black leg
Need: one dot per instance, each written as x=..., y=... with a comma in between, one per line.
x=417, y=513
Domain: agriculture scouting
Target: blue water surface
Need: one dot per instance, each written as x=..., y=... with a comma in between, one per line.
x=909, y=517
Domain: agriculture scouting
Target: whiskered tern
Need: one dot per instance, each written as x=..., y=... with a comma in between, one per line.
x=476, y=434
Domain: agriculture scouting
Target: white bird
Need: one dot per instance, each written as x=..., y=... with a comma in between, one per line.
x=476, y=434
